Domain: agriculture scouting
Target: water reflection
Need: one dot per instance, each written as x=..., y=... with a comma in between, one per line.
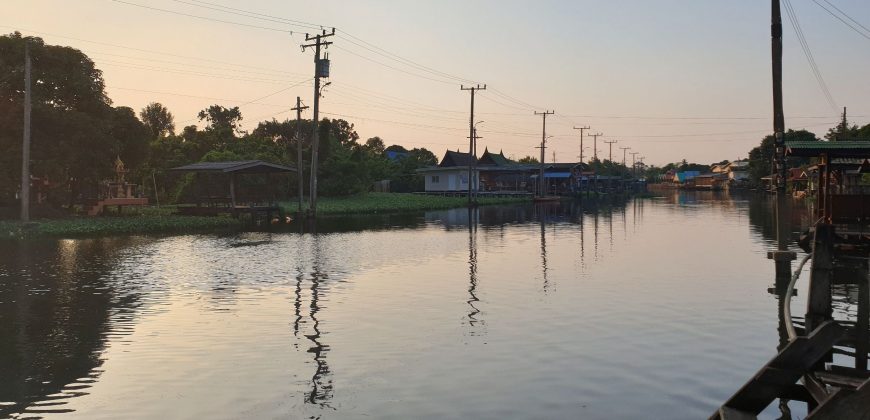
x=321, y=392
x=56, y=316
x=473, y=300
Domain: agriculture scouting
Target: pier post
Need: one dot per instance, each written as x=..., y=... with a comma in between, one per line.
x=819, y=294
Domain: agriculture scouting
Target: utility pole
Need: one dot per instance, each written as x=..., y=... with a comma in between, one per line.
x=782, y=256
x=634, y=163
x=610, y=149
x=25, y=150
x=844, y=127
x=321, y=69
x=543, y=192
x=778, y=117
x=581, y=140
x=299, y=171
x=471, y=143
x=624, y=149
x=595, y=145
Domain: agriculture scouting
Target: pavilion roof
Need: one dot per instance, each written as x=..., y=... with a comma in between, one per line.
x=236, y=166
x=854, y=149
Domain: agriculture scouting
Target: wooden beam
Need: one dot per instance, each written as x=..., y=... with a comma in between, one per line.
x=780, y=374
x=845, y=404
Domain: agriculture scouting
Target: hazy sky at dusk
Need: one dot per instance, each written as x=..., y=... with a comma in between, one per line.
x=671, y=79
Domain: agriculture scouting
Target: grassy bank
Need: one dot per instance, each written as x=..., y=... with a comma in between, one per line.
x=142, y=220
x=138, y=221
x=393, y=202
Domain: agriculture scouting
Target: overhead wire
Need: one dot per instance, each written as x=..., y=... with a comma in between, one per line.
x=203, y=17
x=809, y=54
x=865, y=35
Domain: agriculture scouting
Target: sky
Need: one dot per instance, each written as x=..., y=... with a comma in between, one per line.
x=671, y=79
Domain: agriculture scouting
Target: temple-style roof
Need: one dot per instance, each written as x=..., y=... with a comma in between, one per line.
x=489, y=158
x=236, y=166
x=456, y=159
x=852, y=148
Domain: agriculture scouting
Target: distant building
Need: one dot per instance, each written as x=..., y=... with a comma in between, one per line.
x=738, y=170
x=451, y=174
x=395, y=155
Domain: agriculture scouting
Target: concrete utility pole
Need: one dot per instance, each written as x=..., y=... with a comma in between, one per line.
x=543, y=115
x=25, y=149
x=782, y=256
x=595, y=145
x=778, y=116
x=321, y=69
x=610, y=149
x=624, y=149
x=299, y=171
x=472, y=143
x=581, y=140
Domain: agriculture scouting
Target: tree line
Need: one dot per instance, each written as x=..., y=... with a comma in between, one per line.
x=77, y=134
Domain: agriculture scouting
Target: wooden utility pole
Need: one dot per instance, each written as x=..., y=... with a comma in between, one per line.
x=595, y=145
x=321, y=69
x=581, y=140
x=543, y=183
x=299, y=172
x=472, y=144
x=624, y=149
x=610, y=149
x=25, y=149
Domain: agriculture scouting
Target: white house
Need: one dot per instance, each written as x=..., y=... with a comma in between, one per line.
x=451, y=174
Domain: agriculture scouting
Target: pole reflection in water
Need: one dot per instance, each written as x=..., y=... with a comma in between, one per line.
x=542, y=215
x=473, y=312
x=321, y=391
x=596, y=235
x=582, y=241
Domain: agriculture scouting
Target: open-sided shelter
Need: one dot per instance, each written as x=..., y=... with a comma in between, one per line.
x=234, y=186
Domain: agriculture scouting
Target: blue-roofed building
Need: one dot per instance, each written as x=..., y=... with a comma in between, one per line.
x=685, y=177
x=395, y=155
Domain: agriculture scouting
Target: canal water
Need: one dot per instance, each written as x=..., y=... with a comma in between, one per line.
x=625, y=308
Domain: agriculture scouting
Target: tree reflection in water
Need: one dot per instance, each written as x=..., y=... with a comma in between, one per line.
x=55, y=317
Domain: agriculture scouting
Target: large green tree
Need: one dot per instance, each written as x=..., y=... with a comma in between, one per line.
x=76, y=134
x=761, y=157
x=158, y=119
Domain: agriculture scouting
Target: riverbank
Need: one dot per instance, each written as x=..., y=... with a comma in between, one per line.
x=114, y=225
x=371, y=203
x=144, y=220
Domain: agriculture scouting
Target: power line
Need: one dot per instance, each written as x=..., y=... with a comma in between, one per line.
x=190, y=72
x=809, y=54
x=841, y=19
x=259, y=99
x=139, y=49
x=229, y=22
x=253, y=15
x=211, y=67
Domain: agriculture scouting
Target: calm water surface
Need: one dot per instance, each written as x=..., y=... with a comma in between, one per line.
x=655, y=308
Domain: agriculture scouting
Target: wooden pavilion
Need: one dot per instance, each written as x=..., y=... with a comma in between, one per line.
x=219, y=187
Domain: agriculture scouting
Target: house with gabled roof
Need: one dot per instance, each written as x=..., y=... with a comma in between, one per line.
x=451, y=173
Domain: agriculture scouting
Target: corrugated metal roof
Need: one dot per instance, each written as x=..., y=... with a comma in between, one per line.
x=237, y=166
x=831, y=148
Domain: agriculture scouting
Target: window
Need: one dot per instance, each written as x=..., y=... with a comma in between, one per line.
x=435, y=179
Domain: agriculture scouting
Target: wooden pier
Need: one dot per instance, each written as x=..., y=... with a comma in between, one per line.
x=831, y=389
